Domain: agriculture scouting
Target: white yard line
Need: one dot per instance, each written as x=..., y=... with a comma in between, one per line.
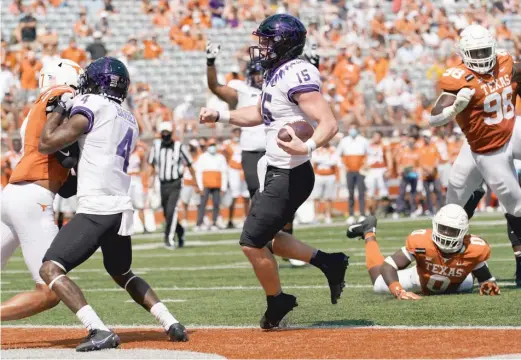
x=239, y=288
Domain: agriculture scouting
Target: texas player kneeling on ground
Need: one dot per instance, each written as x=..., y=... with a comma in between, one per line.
x=447, y=258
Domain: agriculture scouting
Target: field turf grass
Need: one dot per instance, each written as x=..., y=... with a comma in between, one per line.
x=212, y=284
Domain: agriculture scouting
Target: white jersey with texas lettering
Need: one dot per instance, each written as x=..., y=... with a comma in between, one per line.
x=252, y=138
x=278, y=106
x=105, y=148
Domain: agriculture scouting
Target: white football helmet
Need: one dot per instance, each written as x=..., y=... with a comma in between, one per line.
x=60, y=72
x=449, y=227
x=478, y=49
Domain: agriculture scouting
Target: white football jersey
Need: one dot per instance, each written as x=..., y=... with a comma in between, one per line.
x=252, y=138
x=278, y=107
x=105, y=148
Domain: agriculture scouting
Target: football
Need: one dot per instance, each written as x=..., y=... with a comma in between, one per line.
x=302, y=129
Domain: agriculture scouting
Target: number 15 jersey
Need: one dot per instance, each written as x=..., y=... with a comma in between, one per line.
x=105, y=148
x=488, y=120
x=279, y=107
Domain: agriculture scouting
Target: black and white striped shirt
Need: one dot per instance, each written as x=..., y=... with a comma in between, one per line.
x=169, y=160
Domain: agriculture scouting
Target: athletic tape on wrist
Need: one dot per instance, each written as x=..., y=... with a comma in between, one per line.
x=223, y=117
x=389, y=260
x=312, y=145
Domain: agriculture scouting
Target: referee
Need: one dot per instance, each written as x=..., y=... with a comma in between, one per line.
x=168, y=159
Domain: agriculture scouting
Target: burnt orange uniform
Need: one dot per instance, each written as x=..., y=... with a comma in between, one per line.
x=429, y=160
x=488, y=120
x=33, y=165
x=442, y=273
x=408, y=159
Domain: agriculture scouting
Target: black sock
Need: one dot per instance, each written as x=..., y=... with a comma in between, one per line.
x=319, y=259
x=271, y=298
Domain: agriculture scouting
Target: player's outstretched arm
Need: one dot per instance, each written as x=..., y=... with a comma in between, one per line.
x=57, y=135
x=243, y=117
x=223, y=92
x=389, y=271
x=487, y=283
x=316, y=108
x=449, y=105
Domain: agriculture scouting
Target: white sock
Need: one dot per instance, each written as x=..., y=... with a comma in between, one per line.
x=162, y=315
x=90, y=319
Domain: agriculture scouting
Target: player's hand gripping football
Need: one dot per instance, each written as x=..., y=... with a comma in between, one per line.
x=212, y=50
x=463, y=98
x=407, y=295
x=208, y=116
x=295, y=146
x=489, y=288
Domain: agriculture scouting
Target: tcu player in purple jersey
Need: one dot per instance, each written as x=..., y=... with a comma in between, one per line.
x=106, y=134
x=291, y=92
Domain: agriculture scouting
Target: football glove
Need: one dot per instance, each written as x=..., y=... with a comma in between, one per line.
x=463, y=98
x=407, y=295
x=212, y=50
x=65, y=101
x=489, y=288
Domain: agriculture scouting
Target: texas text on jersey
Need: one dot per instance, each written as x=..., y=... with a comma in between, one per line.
x=443, y=273
x=489, y=118
x=277, y=102
x=103, y=182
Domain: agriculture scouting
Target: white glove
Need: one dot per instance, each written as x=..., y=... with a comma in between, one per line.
x=212, y=50
x=65, y=101
x=463, y=98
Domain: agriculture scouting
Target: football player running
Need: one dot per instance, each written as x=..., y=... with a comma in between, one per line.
x=447, y=258
x=106, y=134
x=291, y=92
x=480, y=94
x=27, y=211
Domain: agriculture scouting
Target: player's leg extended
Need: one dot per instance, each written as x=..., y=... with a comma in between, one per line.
x=23, y=203
x=74, y=244
x=117, y=259
x=464, y=177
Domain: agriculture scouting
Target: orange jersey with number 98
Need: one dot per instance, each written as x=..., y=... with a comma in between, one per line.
x=488, y=119
x=443, y=273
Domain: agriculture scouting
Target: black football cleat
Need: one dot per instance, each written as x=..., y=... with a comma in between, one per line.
x=177, y=332
x=335, y=271
x=99, y=340
x=361, y=228
x=279, y=307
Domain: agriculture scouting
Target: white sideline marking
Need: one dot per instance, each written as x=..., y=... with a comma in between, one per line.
x=210, y=327
x=239, y=265
x=228, y=288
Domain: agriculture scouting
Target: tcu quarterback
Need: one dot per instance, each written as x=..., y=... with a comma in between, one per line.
x=290, y=92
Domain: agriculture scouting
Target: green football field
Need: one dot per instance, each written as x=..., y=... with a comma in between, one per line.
x=210, y=283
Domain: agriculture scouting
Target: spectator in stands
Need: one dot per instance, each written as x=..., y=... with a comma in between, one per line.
x=217, y=9
x=352, y=149
x=16, y=7
x=108, y=7
x=104, y=25
x=74, y=53
x=131, y=49
x=232, y=16
x=212, y=173
x=7, y=80
x=82, y=28
x=381, y=67
x=161, y=19
x=29, y=71
x=380, y=112
x=97, y=48
x=26, y=30
x=408, y=165
x=430, y=160
x=147, y=7
x=152, y=49
x=393, y=86
x=39, y=7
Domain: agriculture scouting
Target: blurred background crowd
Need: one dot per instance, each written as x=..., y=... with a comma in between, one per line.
x=380, y=61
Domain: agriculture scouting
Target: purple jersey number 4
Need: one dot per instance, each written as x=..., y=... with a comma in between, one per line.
x=124, y=148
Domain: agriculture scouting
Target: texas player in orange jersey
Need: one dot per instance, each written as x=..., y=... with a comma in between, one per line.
x=480, y=93
x=27, y=211
x=447, y=258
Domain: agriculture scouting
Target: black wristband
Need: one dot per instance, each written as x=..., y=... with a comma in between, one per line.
x=218, y=116
x=210, y=62
x=59, y=109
